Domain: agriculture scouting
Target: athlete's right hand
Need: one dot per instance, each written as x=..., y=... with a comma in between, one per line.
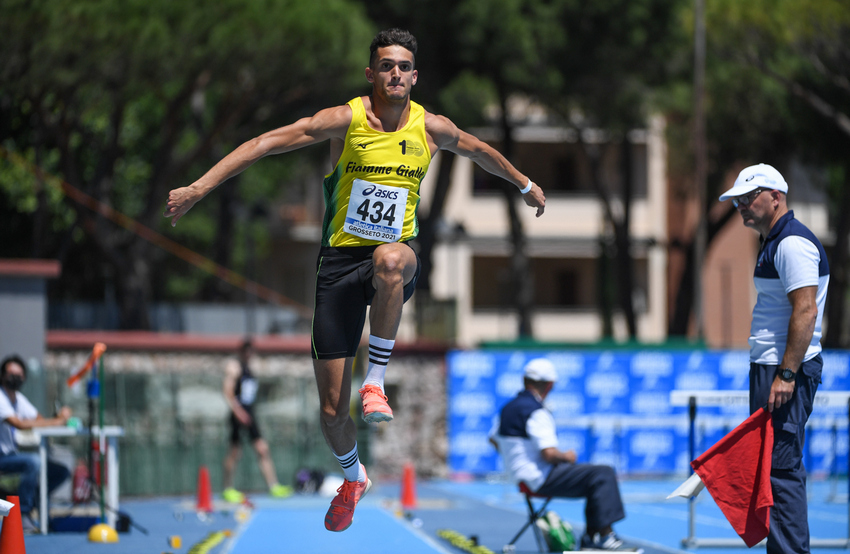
x=179, y=202
x=243, y=417
x=535, y=198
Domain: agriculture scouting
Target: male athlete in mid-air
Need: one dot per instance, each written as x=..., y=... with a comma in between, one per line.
x=382, y=144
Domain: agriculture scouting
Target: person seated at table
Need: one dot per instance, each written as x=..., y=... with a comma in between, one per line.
x=525, y=435
x=18, y=413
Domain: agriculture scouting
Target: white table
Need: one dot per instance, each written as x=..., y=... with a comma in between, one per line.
x=110, y=437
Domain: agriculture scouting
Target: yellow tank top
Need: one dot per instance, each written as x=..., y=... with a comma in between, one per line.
x=373, y=192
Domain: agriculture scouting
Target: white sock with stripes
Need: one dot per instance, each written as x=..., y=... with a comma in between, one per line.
x=350, y=464
x=379, y=355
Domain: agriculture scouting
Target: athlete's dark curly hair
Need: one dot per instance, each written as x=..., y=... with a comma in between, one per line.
x=390, y=37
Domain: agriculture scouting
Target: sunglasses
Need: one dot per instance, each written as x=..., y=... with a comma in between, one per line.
x=746, y=199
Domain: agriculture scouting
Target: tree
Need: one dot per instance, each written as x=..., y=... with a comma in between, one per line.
x=778, y=82
x=604, y=63
x=596, y=59
x=125, y=101
x=802, y=46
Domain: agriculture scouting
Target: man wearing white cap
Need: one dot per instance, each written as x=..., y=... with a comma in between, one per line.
x=526, y=438
x=791, y=279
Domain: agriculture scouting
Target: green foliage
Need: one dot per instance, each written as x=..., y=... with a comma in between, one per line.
x=21, y=187
x=777, y=88
x=126, y=100
x=465, y=98
x=600, y=58
x=604, y=58
x=767, y=60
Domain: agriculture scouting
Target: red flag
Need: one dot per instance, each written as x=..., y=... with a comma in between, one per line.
x=736, y=471
x=96, y=353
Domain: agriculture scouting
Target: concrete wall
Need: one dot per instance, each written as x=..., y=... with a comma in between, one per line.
x=23, y=318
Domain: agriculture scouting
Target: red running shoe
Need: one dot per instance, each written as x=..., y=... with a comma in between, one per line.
x=341, y=512
x=375, y=407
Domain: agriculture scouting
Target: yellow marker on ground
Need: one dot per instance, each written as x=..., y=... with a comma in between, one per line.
x=102, y=533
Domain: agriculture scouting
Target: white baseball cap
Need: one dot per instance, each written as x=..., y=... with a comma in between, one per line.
x=541, y=369
x=754, y=177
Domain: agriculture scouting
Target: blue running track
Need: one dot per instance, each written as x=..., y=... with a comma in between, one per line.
x=491, y=511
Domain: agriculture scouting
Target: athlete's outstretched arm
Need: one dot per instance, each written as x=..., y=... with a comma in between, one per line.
x=330, y=123
x=447, y=136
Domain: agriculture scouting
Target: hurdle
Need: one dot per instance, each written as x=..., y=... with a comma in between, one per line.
x=739, y=398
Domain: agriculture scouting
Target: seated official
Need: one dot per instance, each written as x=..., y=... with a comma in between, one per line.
x=17, y=413
x=525, y=436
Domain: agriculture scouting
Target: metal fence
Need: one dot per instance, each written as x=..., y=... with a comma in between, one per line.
x=176, y=422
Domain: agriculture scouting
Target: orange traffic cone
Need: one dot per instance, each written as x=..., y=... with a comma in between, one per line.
x=12, y=534
x=408, y=487
x=204, y=491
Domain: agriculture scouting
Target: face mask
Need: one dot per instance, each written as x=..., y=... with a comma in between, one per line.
x=14, y=382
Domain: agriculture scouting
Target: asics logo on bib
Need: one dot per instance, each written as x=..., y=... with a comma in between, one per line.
x=392, y=195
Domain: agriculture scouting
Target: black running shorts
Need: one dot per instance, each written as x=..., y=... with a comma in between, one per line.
x=236, y=426
x=343, y=290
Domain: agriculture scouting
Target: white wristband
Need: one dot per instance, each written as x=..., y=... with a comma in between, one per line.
x=527, y=188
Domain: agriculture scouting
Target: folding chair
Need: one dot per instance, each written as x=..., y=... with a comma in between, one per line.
x=533, y=515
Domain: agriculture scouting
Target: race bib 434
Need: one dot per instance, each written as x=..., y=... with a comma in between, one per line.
x=376, y=212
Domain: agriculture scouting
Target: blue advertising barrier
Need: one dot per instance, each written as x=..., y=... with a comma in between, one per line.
x=614, y=407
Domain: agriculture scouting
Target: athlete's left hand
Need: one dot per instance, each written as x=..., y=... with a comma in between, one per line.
x=535, y=198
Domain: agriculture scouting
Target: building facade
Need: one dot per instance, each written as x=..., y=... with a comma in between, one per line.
x=565, y=245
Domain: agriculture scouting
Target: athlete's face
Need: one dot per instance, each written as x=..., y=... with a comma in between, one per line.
x=246, y=353
x=392, y=75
